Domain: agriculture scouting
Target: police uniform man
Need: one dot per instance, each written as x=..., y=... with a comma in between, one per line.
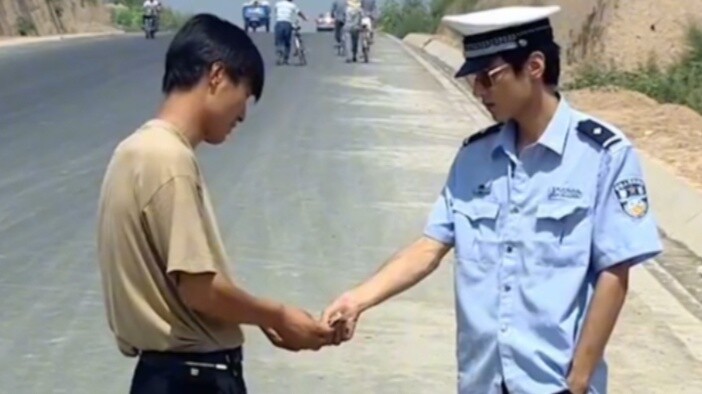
x=170, y=298
x=547, y=211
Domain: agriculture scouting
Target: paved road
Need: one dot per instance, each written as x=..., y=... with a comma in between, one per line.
x=332, y=172
x=308, y=192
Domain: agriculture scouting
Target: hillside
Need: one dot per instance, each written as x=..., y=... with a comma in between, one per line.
x=46, y=17
x=623, y=33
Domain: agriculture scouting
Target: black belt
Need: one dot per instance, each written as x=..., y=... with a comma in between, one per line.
x=221, y=360
x=505, y=391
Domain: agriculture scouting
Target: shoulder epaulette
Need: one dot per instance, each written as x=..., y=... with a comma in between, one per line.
x=600, y=134
x=482, y=134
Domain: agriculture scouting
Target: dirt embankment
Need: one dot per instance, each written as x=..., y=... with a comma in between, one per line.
x=625, y=34
x=48, y=17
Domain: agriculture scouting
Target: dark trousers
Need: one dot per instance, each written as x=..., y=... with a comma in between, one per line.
x=189, y=373
x=283, y=35
x=338, y=30
x=352, y=35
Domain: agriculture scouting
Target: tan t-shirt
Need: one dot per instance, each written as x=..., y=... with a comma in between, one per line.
x=155, y=218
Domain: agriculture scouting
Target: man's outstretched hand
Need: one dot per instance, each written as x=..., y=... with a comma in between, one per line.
x=298, y=330
x=342, y=315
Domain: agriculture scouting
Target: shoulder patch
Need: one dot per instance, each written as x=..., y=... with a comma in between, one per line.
x=600, y=134
x=632, y=196
x=482, y=134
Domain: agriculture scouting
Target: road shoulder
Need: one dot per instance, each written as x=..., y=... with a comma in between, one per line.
x=6, y=41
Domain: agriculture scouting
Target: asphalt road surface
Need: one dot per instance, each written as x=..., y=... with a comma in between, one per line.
x=308, y=193
x=332, y=172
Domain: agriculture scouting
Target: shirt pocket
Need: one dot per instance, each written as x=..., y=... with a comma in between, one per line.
x=475, y=225
x=562, y=235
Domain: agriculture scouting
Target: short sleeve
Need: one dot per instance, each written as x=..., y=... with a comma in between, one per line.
x=625, y=229
x=176, y=221
x=439, y=225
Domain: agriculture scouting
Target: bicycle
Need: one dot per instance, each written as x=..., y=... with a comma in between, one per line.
x=365, y=41
x=298, y=47
x=341, y=44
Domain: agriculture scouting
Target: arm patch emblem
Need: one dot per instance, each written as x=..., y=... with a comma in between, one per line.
x=632, y=197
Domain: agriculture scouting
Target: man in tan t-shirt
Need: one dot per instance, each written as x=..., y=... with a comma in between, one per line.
x=169, y=298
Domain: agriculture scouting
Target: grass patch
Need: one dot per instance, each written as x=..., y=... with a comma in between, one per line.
x=678, y=84
x=400, y=18
x=25, y=27
x=129, y=16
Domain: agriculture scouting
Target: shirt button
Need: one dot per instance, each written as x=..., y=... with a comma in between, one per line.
x=514, y=210
x=509, y=249
x=503, y=328
x=508, y=288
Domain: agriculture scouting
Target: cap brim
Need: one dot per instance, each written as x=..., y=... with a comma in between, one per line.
x=473, y=66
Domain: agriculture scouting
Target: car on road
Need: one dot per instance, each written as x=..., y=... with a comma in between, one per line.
x=325, y=22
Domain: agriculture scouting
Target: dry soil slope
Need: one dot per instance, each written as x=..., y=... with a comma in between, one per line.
x=623, y=32
x=54, y=16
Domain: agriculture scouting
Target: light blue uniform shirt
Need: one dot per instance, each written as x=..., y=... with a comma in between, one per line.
x=531, y=232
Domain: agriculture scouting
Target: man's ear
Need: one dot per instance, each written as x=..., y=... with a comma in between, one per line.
x=536, y=65
x=216, y=76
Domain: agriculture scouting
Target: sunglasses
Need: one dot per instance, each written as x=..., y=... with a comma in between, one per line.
x=486, y=78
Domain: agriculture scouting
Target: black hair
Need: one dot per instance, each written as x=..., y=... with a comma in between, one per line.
x=552, y=60
x=204, y=40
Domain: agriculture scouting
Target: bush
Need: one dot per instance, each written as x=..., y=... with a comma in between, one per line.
x=129, y=16
x=679, y=84
x=26, y=27
x=418, y=16
x=412, y=16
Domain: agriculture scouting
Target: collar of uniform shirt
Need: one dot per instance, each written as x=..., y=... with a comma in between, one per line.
x=553, y=138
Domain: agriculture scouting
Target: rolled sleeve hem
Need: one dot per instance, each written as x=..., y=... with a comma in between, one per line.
x=614, y=259
x=440, y=235
x=195, y=266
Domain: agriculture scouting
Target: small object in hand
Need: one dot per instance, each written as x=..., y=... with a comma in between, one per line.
x=336, y=319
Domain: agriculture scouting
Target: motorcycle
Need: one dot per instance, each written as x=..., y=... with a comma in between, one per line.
x=253, y=23
x=150, y=27
x=256, y=17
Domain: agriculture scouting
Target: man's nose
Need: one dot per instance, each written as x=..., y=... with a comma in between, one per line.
x=478, y=89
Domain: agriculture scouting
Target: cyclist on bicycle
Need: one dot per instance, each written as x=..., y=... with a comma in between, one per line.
x=370, y=15
x=286, y=13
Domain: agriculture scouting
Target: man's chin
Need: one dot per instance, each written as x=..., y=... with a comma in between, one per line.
x=217, y=141
x=497, y=117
